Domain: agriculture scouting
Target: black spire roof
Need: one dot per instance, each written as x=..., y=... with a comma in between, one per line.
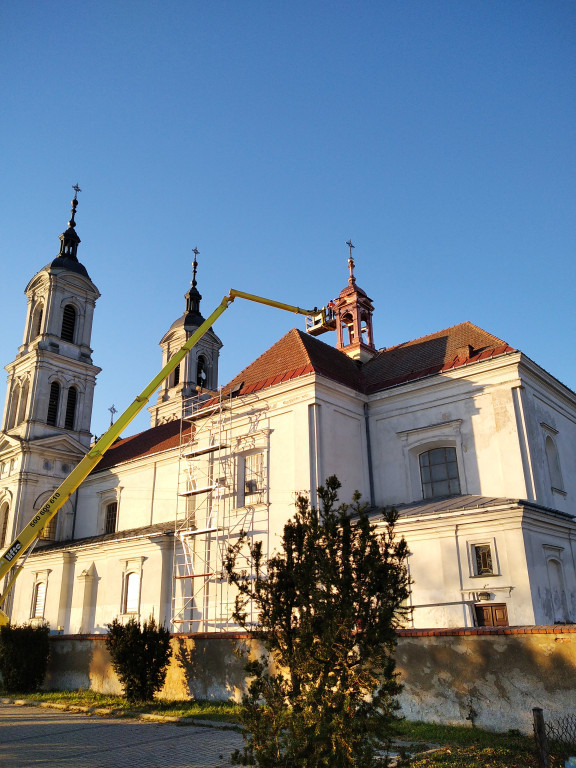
x=69, y=241
x=193, y=317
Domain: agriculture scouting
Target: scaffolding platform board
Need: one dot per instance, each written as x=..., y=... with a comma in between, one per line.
x=190, y=454
x=204, y=489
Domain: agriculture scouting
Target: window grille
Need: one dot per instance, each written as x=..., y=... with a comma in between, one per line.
x=439, y=473
x=68, y=323
x=53, y=402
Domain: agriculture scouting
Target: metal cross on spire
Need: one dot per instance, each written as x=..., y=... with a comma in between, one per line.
x=195, y=251
x=76, y=189
x=112, y=410
x=351, y=279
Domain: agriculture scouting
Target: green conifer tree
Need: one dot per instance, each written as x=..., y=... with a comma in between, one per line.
x=328, y=605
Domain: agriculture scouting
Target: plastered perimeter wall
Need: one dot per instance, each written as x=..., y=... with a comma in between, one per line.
x=490, y=677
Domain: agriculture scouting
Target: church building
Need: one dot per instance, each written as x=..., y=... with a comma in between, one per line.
x=472, y=441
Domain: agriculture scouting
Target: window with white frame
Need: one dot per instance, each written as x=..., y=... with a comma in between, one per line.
x=439, y=473
x=38, y=600
x=132, y=593
x=253, y=477
x=131, y=585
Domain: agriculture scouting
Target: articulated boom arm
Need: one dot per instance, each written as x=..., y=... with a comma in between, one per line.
x=31, y=532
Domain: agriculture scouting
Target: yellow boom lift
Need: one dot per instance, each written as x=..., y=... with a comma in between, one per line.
x=26, y=539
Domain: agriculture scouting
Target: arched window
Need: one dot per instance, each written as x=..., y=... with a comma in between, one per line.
x=13, y=410
x=201, y=371
x=348, y=326
x=111, y=517
x=68, y=323
x=70, y=408
x=23, y=402
x=131, y=593
x=554, y=464
x=39, y=600
x=557, y=590
x=49, y=530
x=176, y=376
x=439, y=473
x=4, y=509
x=53, y=402
x=37, y=322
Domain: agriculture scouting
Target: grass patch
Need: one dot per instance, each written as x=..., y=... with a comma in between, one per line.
x=218, y=711
x=463, y=747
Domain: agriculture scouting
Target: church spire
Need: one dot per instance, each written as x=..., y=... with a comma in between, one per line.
x=69, y=240
x=193, y=298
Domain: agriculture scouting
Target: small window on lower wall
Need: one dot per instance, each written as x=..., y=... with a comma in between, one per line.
x=439, y=473
x=483, y=560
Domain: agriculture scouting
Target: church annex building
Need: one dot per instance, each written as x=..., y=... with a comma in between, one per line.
x=472, y=441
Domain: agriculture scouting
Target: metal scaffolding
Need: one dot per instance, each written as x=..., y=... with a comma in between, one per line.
x=223, y=491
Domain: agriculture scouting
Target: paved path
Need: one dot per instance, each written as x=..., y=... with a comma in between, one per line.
x=30, y=736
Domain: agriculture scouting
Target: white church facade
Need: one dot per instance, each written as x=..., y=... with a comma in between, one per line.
x=473, y=442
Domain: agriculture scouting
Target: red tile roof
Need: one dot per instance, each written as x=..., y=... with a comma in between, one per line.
x=298, y=354
x=436, y=353
x=154, y=440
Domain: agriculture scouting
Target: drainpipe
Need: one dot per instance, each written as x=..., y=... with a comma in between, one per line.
x=369, y=454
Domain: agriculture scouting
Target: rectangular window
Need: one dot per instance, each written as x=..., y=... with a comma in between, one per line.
x=39, y=600
x=111, y=514
x=483, y=560
x=132, y=597
x=253, y=477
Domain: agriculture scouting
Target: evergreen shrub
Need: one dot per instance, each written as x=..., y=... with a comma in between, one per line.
x=24, y=653
x=140, y=656
x=328, y=604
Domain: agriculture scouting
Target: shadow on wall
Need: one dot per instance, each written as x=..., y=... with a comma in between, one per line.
x=207, y=668
x=492, y=681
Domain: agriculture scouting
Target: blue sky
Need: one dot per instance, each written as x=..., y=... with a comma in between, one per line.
x=439, y=136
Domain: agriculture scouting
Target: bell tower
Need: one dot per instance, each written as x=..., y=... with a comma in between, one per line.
x=45, y=428
x=198, y=370
x=353, y=315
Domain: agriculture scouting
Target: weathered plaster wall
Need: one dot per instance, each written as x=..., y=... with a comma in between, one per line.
x=493, y=677
x=490, y=677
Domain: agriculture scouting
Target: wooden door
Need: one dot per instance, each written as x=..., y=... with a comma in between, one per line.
x=493, y=615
